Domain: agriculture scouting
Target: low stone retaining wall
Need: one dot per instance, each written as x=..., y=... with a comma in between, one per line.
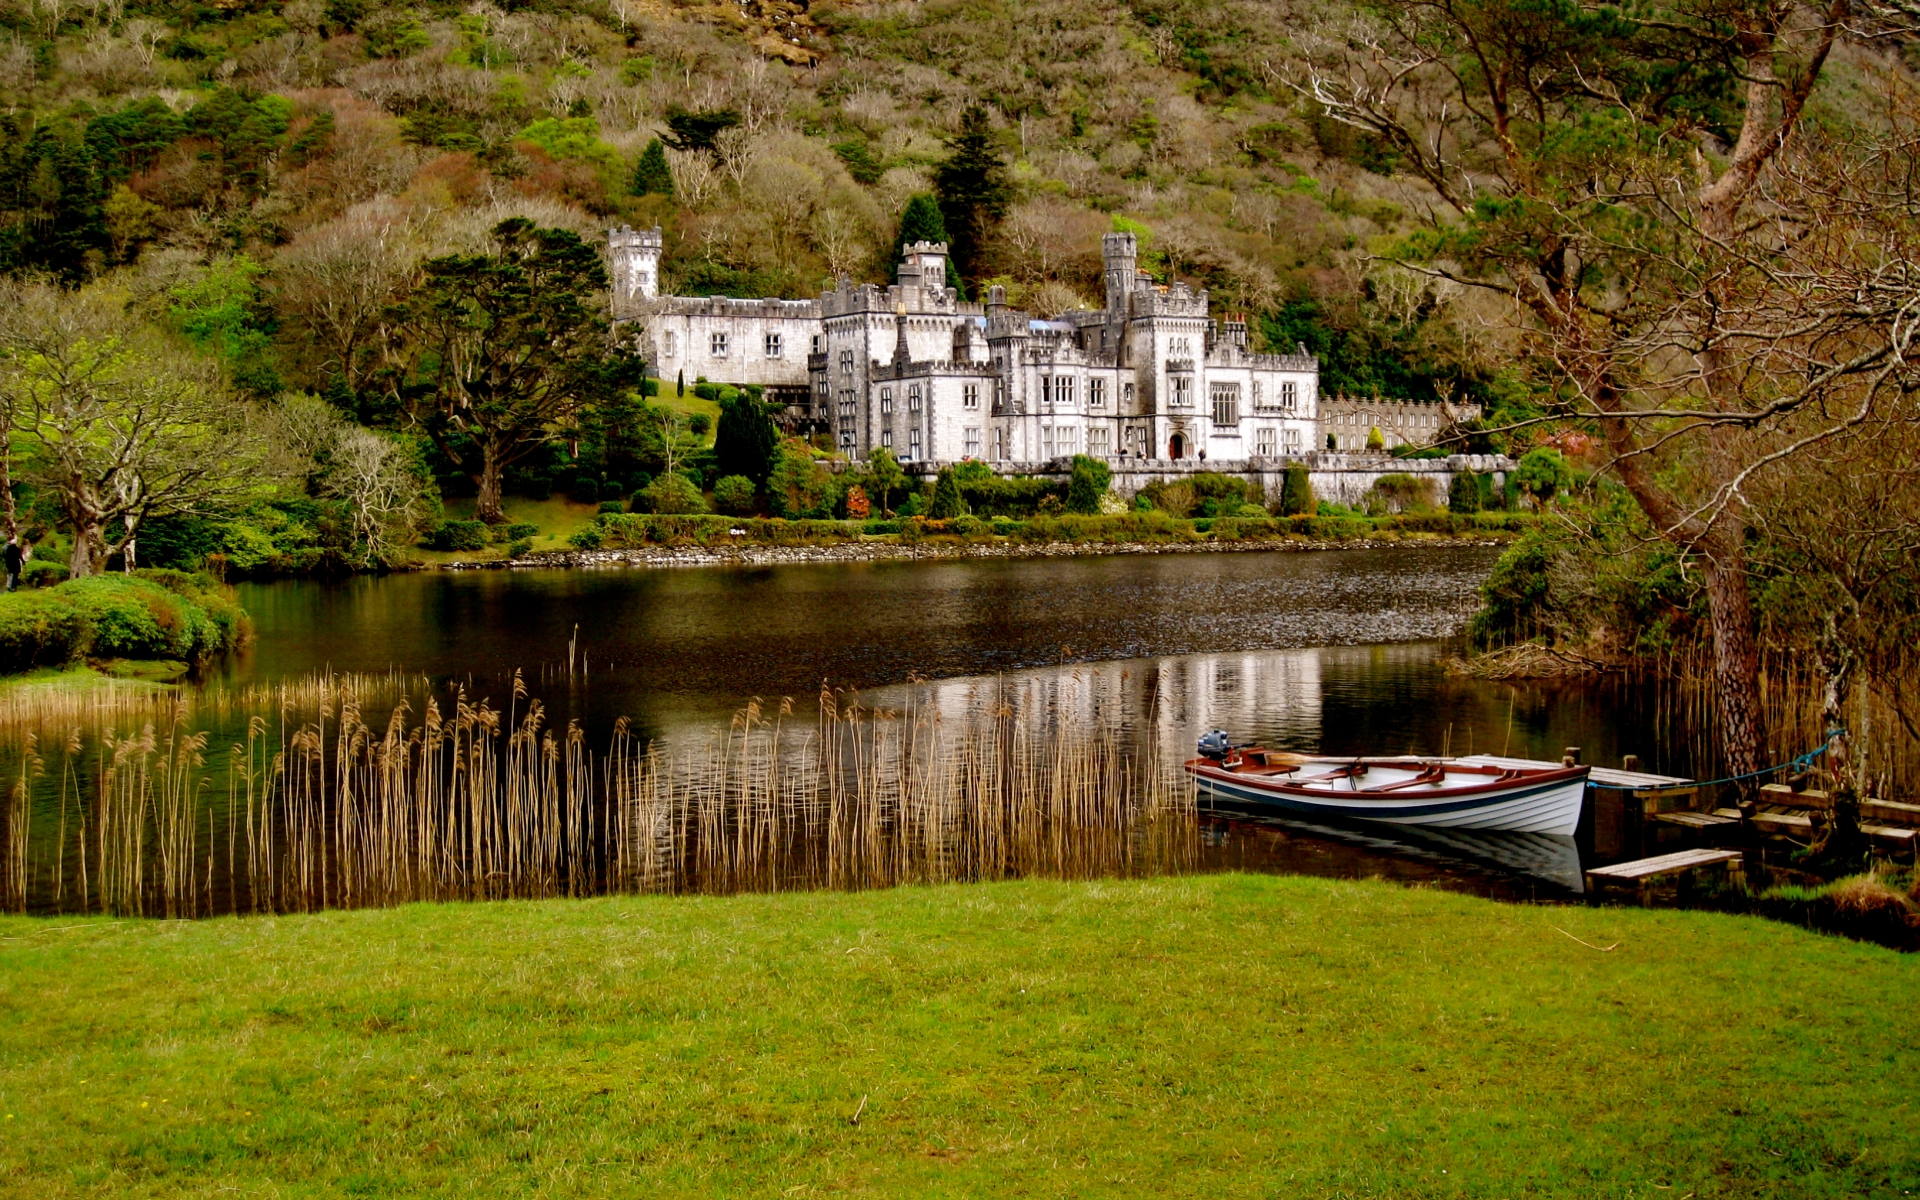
x=1340, y=478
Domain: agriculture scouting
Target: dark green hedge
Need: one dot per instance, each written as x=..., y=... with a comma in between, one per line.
x=153, y=614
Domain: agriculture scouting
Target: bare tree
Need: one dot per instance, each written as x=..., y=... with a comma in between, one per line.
x=381, y=480
x=336, y=281
x=1664, y=274
x=114, y=421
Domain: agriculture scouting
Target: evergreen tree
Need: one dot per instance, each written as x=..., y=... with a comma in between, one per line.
x=1087, y=484
x=1463, y=497
x=922, y=222
x=745, y=441
x=974, y=190
x=1296, y=494
x=948, y=503
x=651, y=176
x=51, y=197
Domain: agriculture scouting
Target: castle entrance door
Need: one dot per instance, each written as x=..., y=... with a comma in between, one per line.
x=1177, y=446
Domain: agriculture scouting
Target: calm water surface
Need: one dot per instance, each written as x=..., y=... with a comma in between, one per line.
x=1339, y=651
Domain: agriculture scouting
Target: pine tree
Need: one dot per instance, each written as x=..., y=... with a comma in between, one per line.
x=651, y=175
x=1463, y=497
x=745, y=440
x=948, y=503
x=922, y=222
x=973, y=189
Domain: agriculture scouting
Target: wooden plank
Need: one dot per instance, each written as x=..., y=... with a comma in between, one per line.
x=1792, y=824
x=1889, y=836
x=1695, y=820
x=1665, y=864
x=1667, y=800
x=1890, y=812
x=1785, y=797
x=1606, y=775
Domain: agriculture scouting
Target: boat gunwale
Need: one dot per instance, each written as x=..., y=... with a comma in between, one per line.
x=1506, y=780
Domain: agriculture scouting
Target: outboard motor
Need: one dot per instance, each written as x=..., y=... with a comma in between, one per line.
x=1214, y=744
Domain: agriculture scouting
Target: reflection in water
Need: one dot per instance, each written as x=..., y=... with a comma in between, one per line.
x=1336, y=652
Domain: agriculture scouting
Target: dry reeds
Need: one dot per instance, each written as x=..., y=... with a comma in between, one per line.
x=319, y=807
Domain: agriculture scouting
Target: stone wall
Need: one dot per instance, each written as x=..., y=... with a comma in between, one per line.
x=1339, y=478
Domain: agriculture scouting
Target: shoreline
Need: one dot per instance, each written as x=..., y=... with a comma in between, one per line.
x=752, y=554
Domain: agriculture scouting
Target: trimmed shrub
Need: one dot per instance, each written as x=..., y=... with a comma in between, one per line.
x=152, y=614
x=1087, y=484
x=1296, y=494
x=1463, y=496
x=43, y=574
x=519, y=546
x=516, y=532
x=734, y=494
x=590, y=538
x=672, y=493
x=612, y=506
x=585, y=490
x=948, y=503
x=458, y=535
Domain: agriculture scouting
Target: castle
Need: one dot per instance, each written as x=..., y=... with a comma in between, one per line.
x=1152, y=376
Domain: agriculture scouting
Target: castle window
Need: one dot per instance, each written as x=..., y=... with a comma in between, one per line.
x=773, y=345
x=1096, y=393
x=1063, y=389
x=1069, y=439
x=913, y=443
x=1099, y=441
x=1182, y=392
x=999, y=444
x=667, y=344
x=886, y=401
x=1293, y=441
x=846, y=439
x=1289, y=395
x=973, y=442
x=1259, y=394
x=1226, y=405
x=1126, y=393
x=1046, y=440
x=1046, y=389
x=717, y=345
x=846, y=362
x=1263, y=444
x=913, y=397
x=970, y=396
x=886, y=437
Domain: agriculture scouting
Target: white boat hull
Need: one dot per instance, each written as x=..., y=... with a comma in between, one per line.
x=1551, y=806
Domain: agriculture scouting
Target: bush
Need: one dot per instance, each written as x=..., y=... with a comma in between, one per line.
x=613, y=506
x=586, y=490
x=519, y=546
x=948, y=503
x=1087, y=484
x=735, y=494
x=1296, y=494
x=1400, y=492
x=152, y=614
x=519, y=531
x=672, y=493
x=1463, y=496
x=1541, y=475
x=458, y=535
x=43, y=574
x=799, y=487
x=590, y=538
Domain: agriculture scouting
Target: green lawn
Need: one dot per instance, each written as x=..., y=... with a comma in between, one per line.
x=1212, y=1036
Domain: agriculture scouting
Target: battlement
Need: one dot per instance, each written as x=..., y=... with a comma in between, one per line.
x=728, y=306
x=1169, y=300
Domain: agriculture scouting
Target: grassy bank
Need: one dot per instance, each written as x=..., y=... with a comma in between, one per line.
x=1218, y=1036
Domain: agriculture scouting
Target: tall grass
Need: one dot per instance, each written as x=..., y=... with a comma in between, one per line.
x=441, y=796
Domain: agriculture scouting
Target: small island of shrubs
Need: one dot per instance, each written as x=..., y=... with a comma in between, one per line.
x=166, y=615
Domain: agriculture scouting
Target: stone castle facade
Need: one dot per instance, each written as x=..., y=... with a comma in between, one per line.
x=1152, y=376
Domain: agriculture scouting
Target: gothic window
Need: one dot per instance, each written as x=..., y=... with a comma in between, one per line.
x=1046, y=389
x=973, y=442
x=1126, y=392
x=886, y=437
x=1096, y=393
x=886, y=401
x=1263, y=442
x=846, y=439
x=999, y=444
x=1289, y=395
x=970, y=396
x=1182, y=392
x=1226, y=406
x=773, y=345
x=846, y=362
x=913, y=397
x=913, y=443
x=717, y=345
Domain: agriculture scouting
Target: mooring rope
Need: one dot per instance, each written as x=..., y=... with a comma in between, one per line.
x=1801, y=762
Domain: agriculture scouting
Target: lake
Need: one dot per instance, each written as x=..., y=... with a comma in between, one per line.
x=1339, y=652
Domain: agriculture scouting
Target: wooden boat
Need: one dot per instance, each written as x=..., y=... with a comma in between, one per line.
x=1405, y=791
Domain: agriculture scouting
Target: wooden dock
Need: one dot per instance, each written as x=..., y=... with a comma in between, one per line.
x=1643, y=875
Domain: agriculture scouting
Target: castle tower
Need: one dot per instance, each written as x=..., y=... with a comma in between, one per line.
x=636, y=262
x=1122, y=254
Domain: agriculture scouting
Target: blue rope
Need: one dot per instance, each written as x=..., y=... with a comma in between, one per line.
x=1802, y=762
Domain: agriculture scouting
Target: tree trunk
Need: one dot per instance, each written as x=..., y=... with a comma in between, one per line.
x=487, y=507
x=6, y=482
x=1736, y=656
x=89, y=549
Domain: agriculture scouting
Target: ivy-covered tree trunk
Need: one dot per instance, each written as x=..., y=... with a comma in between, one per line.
x=487, y=506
